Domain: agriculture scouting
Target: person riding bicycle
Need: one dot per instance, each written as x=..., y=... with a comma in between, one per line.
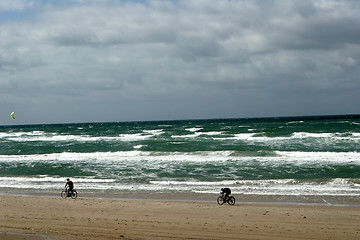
x=227, y=192
x=70, y=185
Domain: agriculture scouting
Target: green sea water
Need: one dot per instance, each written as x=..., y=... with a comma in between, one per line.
x=293, y=156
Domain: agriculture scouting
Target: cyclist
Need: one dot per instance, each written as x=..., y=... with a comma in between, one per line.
x=227, y=192
x=70, y=186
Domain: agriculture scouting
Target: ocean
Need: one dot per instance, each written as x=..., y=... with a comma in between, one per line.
x=287, y=159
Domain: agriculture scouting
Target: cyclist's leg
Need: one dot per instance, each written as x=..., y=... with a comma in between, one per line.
x=69, y=192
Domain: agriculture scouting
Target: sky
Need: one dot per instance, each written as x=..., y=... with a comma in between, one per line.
x=69, y=61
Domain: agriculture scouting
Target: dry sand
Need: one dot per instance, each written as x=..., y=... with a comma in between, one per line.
x=79, y=219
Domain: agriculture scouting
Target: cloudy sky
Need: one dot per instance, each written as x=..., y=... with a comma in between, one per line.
x=117, y=60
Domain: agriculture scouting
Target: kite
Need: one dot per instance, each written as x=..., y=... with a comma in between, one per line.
x=12, y=115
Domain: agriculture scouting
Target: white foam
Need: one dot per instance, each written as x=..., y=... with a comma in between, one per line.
x=132, y=137
x=194, y=129
x=187, y=136
x=53, y=183
x=195, y=183
x=212, y=133
x=58, y=137
x=303, y=137
x=54, y=179
x=281, y=157
x=197, y=134
x=312, y=135
x=154, y=132
x=324, y=157
x=257, y=137
x=284, y=187
x=294, y=122
x=79, y=138
x=239, y=136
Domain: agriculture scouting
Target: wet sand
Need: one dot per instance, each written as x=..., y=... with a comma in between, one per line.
x=21, y=236
x=102, y=219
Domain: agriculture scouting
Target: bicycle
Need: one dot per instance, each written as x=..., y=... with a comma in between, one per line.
x=65, y=194
x=221, y=200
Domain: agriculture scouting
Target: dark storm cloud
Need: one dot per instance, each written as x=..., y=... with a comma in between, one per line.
x=144, y=60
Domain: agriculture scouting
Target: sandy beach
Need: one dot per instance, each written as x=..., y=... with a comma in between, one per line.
x=86, y=218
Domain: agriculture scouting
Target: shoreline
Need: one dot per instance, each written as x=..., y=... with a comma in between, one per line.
x=307, y=200
x=105, y=219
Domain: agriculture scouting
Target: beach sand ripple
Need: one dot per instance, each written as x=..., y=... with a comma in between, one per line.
x=103, y=219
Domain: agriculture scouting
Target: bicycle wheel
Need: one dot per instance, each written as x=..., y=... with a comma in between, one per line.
x=220, y=200
x=231, y=200
x=63, y=194
x=74, y=194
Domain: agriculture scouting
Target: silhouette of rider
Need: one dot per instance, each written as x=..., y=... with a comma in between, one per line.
x=70, y=185
x=227, y=192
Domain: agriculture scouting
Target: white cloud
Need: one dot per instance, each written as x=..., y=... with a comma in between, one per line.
x=15, y=5
x=169, y=54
